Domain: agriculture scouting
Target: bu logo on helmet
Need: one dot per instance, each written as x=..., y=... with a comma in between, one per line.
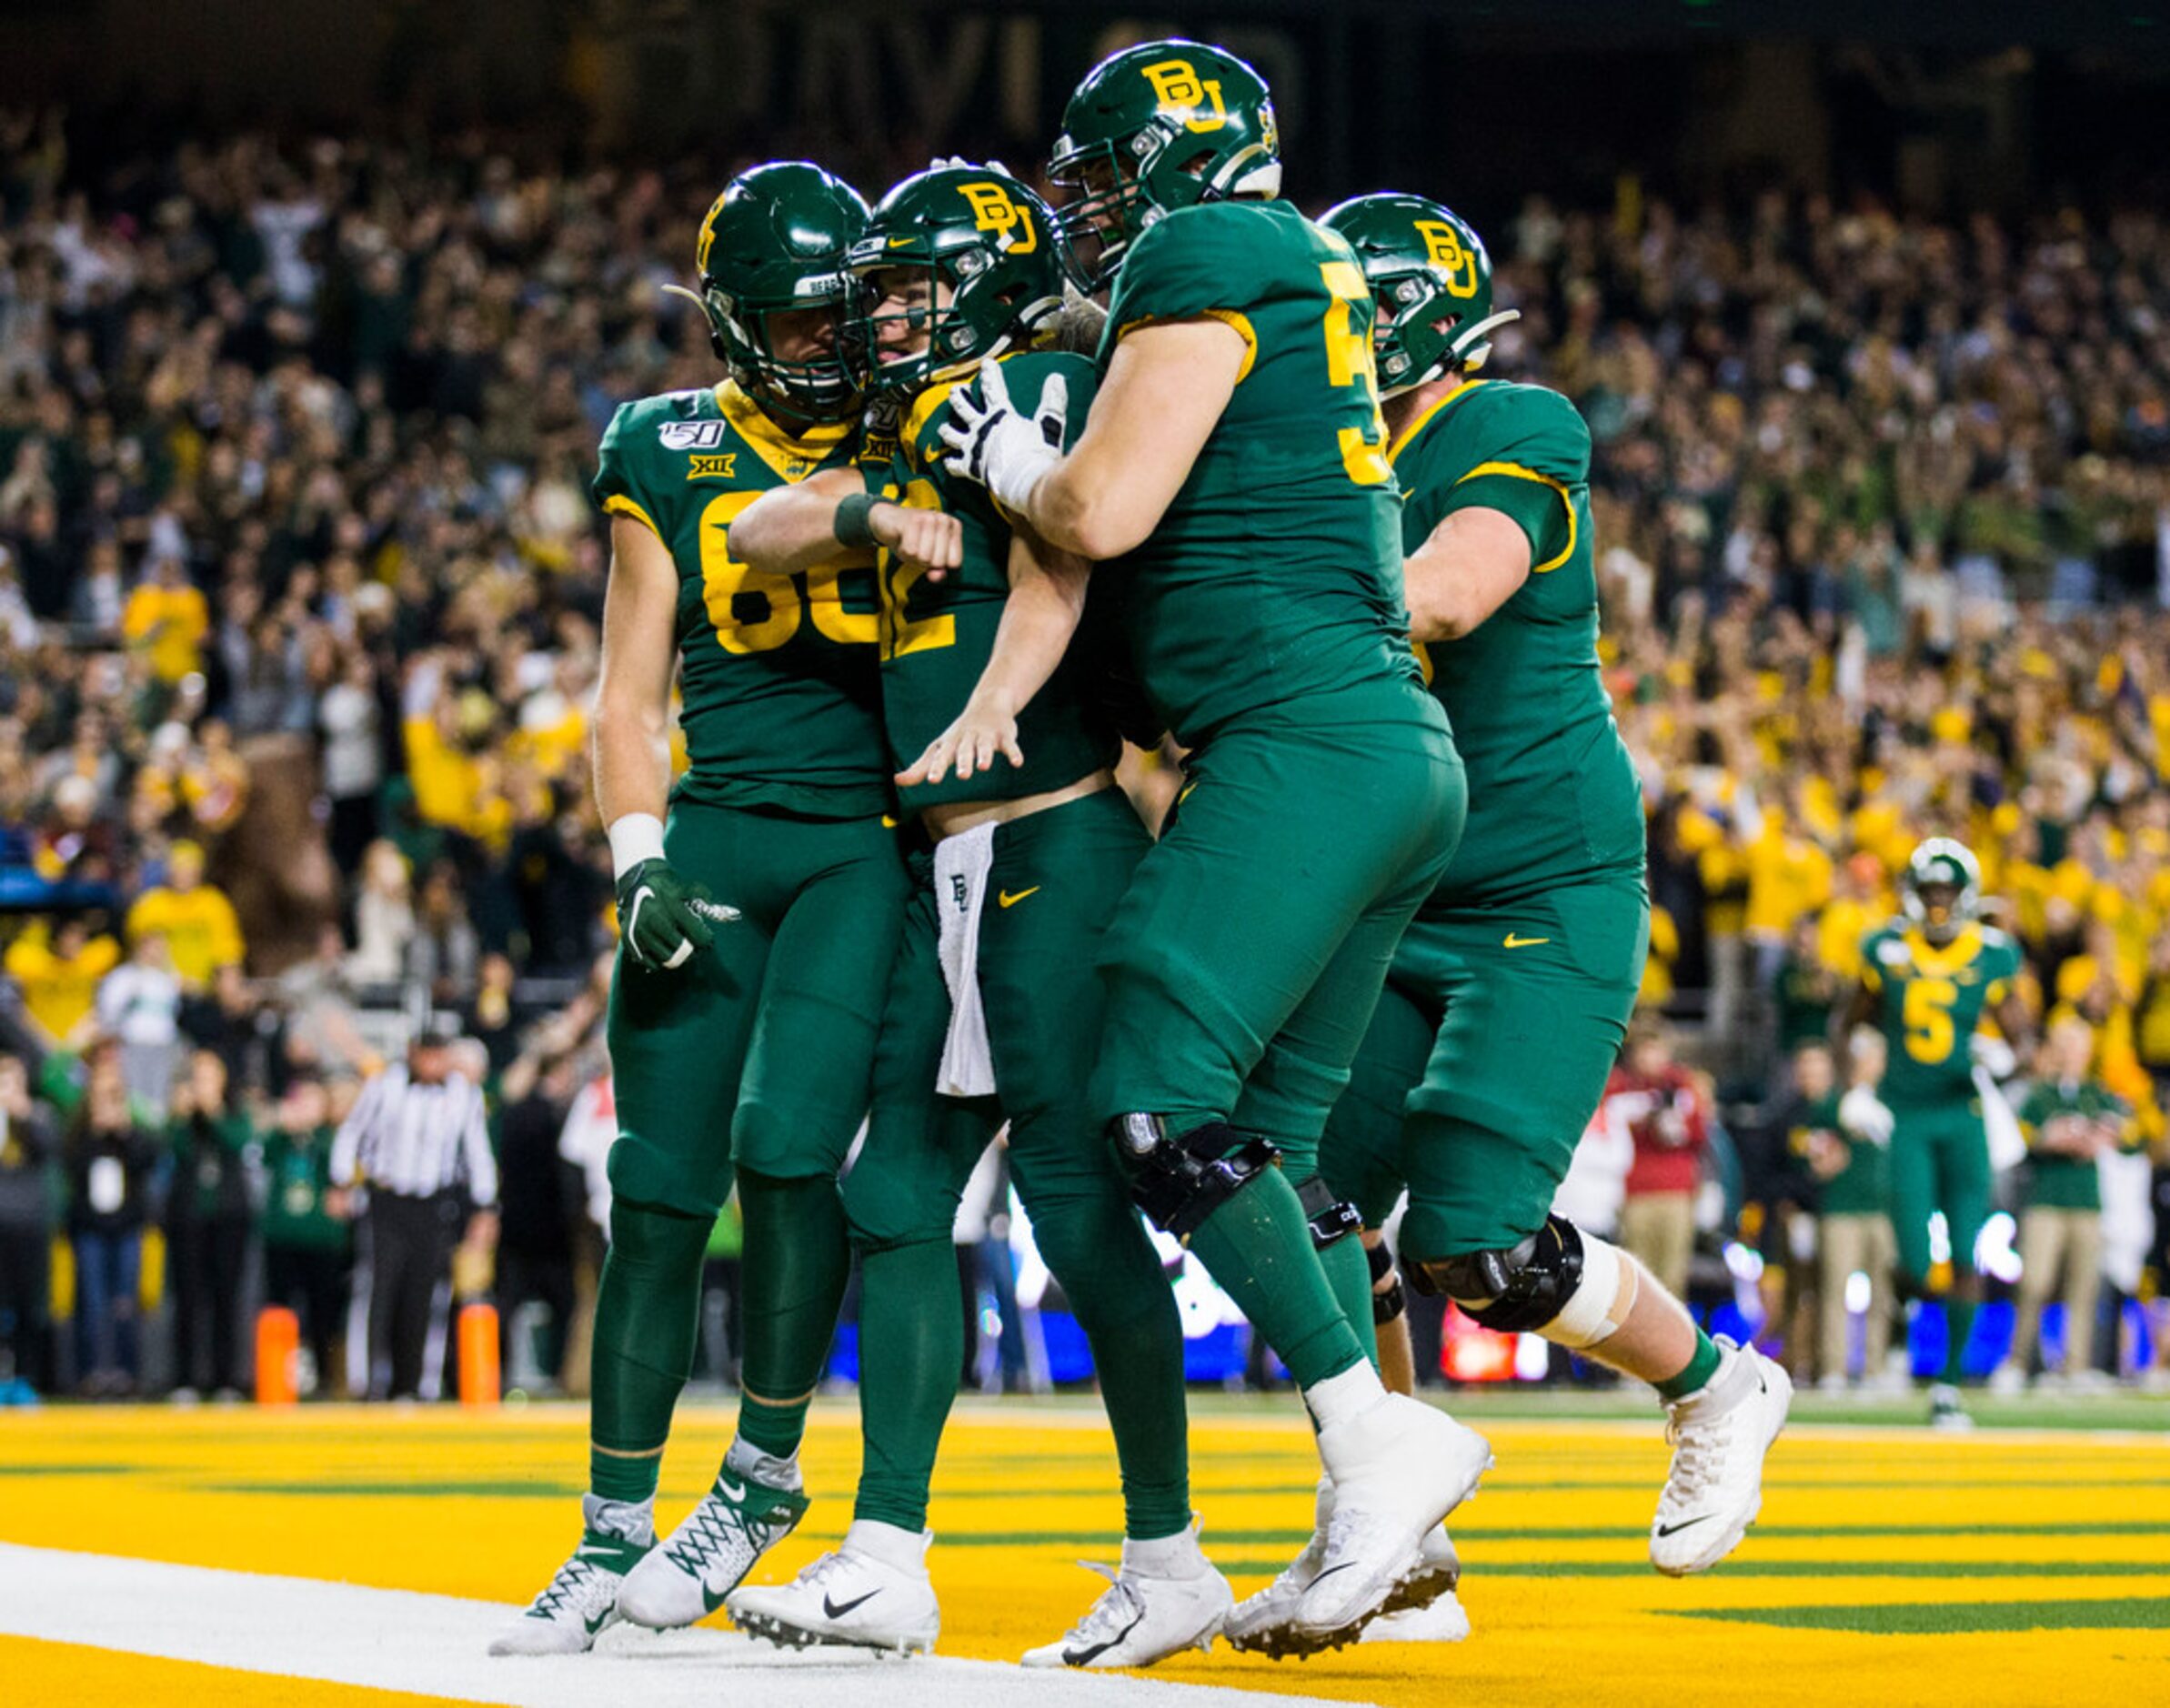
x=707, y=234
x=1443, y=247
x=1181, y=95
x=994, y=210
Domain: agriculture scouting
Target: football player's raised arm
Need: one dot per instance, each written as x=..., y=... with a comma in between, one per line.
x=1474, y=561
x=1047, y=598
x=1164, y=393
x=640, y=651
x=790, y=528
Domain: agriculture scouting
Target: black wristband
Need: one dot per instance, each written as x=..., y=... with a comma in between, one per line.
x=853, y=527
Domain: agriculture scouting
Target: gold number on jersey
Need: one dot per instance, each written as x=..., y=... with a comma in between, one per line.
x=729, y=588
x=903, y=634
x=1349, y=363
x=1927, y=1014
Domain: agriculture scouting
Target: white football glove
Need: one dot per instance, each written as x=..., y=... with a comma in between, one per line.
x=1865, y=1115
x=1995, y=1054
x=994, y=444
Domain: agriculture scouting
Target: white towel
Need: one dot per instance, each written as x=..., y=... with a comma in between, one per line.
x=961, y=867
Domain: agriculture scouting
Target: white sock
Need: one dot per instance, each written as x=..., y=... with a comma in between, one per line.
x=890, y=1545
x=1340, y=1397
x=1175, y=1556
x=745, y=1460
x=629, y=1521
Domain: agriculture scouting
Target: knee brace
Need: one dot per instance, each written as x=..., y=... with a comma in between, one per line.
x=1388, y=1305
x=1179, y=1180
x=1330, y=1217
x=1554, y=1283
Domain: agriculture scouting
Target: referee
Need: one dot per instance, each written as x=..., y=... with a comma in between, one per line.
x=416, y=1148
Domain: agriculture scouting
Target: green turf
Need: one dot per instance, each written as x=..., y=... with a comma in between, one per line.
x=1928, y=1619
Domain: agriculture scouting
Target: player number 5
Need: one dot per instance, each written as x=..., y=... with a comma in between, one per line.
x=1347, y=363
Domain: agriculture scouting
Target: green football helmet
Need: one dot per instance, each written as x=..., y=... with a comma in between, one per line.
x=1941, y=889
x=981, y=233
x=1155, y=128
x=1432, y=278
x=774, y=242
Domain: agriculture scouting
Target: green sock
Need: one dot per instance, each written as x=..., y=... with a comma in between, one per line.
x=646, y=1317
x=1349, y=1274
x=795, y=1264
x=910, y=1352
x=1958, y=1324
x=1702, y=1366
x=1097, y=1248
x=1258, y=1246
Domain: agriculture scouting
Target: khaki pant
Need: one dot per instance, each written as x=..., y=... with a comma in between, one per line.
x=2049, y=1241
x=1659, y=1230
x=1846, y=1244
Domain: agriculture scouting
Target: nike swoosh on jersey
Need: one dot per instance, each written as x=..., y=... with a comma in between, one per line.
x=1008, y=899
x=1513, y=942
x=830, y=1608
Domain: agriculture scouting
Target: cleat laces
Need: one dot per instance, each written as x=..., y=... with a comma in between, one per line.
x=1111, y=1618
x=578, y=1590
x=710, y=1530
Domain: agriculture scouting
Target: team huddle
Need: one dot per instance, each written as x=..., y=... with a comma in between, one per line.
x=989, y=489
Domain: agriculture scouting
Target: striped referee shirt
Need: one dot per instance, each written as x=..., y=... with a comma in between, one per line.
x=416, y=1140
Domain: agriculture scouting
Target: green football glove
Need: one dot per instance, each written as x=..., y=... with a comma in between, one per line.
x=663, y=917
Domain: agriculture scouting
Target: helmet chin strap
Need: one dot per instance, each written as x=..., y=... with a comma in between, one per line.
x=1468, y=336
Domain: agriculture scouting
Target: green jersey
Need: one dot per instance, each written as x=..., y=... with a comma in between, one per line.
x=781, y=699
x=1276, y=572
x=1929, y=1001
x=1553, y=796
x=937, y=636
x=300, y=1166
x=1864, y=1186
x=2058, y=1181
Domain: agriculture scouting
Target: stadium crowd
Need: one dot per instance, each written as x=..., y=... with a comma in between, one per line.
x=300, y=590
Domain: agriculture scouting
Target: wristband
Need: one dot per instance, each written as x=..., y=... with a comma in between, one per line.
x=634, y=837
x=853, y=525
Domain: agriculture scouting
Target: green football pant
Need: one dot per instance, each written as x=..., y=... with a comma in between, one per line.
x=757, y=1052
x=1062, y=873
x=1939, y=1161
x=1487, y=1056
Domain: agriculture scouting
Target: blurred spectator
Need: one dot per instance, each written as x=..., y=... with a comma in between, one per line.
x=207, y=1226
x=353, y=758
x=1844, y=1143
x=111, y=1154
x=139, y=1005
x=166, y=618
x=308, y=1245
x=541, y=1203
x=322, y=1027
x=1668, y=1112
x=383, y=917
x=29, y=1146
x=57, y=969
x=444, y=953
x=194, y=918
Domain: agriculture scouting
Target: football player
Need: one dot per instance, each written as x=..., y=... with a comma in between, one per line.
x=1511, y=991
x=741, y=1037
x=1926, y=982
x=994, y=997
x=1236, y=460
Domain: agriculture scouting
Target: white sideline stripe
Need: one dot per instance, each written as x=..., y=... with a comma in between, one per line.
x=346, y=1633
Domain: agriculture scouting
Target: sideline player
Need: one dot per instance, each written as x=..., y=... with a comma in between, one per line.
x=742, y=1037
x=1235, y=459
x=1033, y=847
x=1511, y=991
x=1927, y=981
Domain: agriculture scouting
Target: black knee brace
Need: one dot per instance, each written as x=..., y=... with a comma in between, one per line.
x=1332, y=1218
x=1513, y=1290
x=1180, y=1181
x=1388, y=1305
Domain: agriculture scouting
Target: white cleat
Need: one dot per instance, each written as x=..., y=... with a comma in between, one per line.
x=708, y=1556
x=1945, y=1412
x=2008, y=1379
x=1165, y=1597
x=578, y=1605
x=1258, y=1624
x=1261, y=1624
x=1398, y=1467
x=1443, y=1621
x=1720, y=1436
x=848, y=1598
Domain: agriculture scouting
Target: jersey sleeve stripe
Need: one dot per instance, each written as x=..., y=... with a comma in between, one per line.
x=1239, y=324
x=617, y=504
x=1515, y=471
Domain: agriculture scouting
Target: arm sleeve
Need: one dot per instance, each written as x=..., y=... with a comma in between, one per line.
x=615, y=489
x=346, y=1146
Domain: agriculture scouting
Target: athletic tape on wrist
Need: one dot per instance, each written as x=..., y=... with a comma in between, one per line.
x=634, y=837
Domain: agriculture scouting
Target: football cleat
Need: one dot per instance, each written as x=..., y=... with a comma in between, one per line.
x=686, y=1579
x=1398, y=1467
x=1261, y=1624
x=1166, y=1596
x=1442, y=1622
x=1945, y=1412
x=578, y=1605
x=848, y=1598
x=1719, y=1435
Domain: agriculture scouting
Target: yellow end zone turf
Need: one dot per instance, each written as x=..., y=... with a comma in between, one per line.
x=1890, y=1565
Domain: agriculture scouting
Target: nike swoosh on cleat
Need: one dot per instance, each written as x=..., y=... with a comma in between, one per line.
x=1674, y=1530
x=834, y=1612
x=1086, y=1657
